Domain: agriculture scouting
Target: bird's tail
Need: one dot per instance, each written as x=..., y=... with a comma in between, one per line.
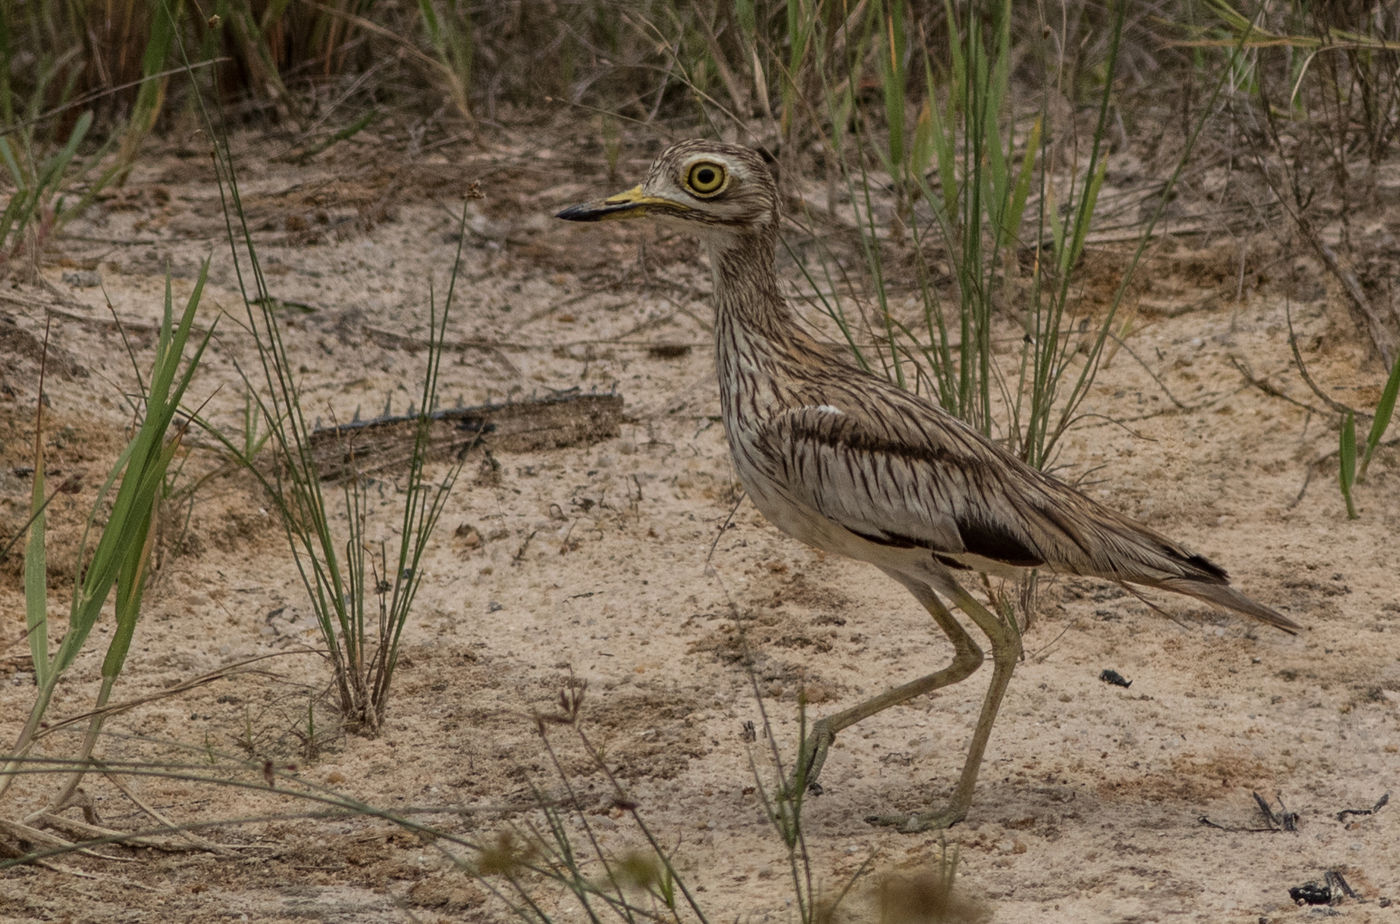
x=1222, y=594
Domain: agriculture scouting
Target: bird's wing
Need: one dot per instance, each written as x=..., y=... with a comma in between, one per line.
x=916, y=477
x=912, y=479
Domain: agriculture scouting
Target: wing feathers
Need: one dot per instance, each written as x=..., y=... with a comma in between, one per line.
x=1226, y=596
x=898, y=479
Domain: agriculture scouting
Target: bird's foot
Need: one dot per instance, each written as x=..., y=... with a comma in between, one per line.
x=915, y=822
x=810, y=758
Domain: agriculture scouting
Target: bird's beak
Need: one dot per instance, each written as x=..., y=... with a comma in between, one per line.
x=630, y=204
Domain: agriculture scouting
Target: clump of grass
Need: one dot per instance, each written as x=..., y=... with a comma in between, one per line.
x=41, y=192
x=962, y=176
x=63, y=71
x=121, y=555
x=448, y=26
x=564, y=847
x=361, y=589
x=645, y=883
x=1348, y=471
x=1006, y=191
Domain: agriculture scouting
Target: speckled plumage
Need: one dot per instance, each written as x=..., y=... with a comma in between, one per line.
x=850, y=463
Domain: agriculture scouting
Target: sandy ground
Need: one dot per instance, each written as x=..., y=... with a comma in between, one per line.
x=596, y=563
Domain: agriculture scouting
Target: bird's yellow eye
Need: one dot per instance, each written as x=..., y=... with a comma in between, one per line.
x=706, y=179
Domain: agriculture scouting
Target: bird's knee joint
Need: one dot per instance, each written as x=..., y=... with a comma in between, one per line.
x=970, y=657
x=1008, y=655
x=820, y=733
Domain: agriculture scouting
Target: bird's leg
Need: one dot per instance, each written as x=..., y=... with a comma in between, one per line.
x=967, y=657
x=1005, y=637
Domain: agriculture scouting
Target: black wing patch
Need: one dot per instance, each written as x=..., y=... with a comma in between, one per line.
x=988, y=540
x=978, y=539
x=1211, y=571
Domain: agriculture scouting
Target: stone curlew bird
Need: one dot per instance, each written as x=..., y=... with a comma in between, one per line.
x=850, y=463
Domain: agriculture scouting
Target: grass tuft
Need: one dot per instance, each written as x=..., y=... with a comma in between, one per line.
x=120, y=558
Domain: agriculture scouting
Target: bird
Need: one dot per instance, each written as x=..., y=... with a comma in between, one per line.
x=850, y=463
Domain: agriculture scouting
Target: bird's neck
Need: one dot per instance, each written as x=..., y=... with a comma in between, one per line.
x=746, y=289
x=759, y=344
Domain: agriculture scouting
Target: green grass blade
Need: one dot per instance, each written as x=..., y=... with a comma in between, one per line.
x=957, y=59
x=36, y=594
x=12, y=165
x=894, y=83
x=161, y=406
x=150, y=98
x=54, y=168
x=140, y=470
x=1086, y=211
x=1014, y=215
x=101, y=573
x=1384, y=409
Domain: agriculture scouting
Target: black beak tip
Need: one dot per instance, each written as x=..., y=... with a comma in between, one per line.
x=578, y=213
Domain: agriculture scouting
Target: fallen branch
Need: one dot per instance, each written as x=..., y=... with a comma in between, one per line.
x=555, y=422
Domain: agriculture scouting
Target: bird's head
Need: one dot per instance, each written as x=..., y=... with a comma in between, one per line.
x=719, y=191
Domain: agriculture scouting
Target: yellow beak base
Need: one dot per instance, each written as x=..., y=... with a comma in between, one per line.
x=630, y=204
